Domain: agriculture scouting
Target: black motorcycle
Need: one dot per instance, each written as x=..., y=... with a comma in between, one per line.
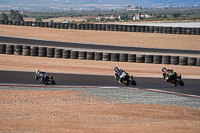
x=127, y=79
x=175, y=79
x=42, y=77
x=47, y=81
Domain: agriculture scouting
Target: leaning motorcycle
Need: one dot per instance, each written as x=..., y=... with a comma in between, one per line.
x=47, y=81
x=128, y=80
x=176, y=79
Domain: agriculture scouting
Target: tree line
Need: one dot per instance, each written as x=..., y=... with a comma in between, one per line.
x=13, y=15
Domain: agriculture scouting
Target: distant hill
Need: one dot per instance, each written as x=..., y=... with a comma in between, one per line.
x=61, y=4
x=142, y=2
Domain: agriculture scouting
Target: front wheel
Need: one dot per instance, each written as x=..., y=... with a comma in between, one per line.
x=133, y=82
x=52, y=82
x=180, y=82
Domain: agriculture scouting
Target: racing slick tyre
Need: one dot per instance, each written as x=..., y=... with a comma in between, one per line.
x=53, y=82
x=133, y=82
x=180, y=82
x=2, y=48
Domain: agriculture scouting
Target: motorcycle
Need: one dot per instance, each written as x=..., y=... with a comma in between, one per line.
x=127, y=79
x=176, y=79
x=47, y=81
x=172, y=77
x=42, y=77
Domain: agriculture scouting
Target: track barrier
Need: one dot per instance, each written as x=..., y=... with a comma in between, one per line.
x=50, y=52
x=108, y=27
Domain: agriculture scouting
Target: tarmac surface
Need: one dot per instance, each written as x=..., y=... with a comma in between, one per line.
x=16, y=77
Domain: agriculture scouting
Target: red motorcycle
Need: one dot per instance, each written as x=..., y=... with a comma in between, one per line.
x=172, y=77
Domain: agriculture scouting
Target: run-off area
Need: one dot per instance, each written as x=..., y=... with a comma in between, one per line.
x=120, y=95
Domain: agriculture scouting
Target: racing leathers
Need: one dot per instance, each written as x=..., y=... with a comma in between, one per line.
x=120, y=74
x=167, y=74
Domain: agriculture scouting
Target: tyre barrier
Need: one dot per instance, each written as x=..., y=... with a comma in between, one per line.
x=50, y=52
x=66, y=53
x=155, y=29
x=178, y=30
x=78, y=26
x=90, y=55
x=9, y=49
x=120, y=27
x=169, y=30
x=183, y=31
x=112, y=27
x=151, y=29
x=114, y=57
x=95, y=27
x=17, y=49
x=133, y=28
x=90, y=27
x=82, y=55
x=99, y=26
x=191, y=61
x=173, y=30
x=98, y=56
x=146, y=29
x=129, y=28
x=174, y=60
x=123, y=57
x=188, y=31
x=34, y=51
x=131, y=57
x=198, y=62
x=106, y=57
x=74, y=54
x=160, y=29
x=2, y=48
x=165, y=30
x=58, y=53
x=124, y=28
x=140, y=58
x=148, y=59
x=26, y=50
x=166, y=59
x=42, y=51
x=86, y=26
x=197, y=31
x=157, y=59
x=183, y=60
x=116, y=27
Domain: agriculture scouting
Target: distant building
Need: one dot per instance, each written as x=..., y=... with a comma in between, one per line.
x=65, y=21
x=137, y=16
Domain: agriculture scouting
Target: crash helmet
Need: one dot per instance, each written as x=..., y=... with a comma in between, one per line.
x=163, y=68
x=37, y=70
x=116, y=69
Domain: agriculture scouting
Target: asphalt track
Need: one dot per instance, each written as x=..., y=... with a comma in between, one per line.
x=14, y=77
x=5, y=39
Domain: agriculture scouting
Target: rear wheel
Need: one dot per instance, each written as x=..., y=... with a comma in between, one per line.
x=53, y=82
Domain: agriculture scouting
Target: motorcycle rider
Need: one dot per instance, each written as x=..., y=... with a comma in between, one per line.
x=40, y=75
x=167, y=74
x=120, y=74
